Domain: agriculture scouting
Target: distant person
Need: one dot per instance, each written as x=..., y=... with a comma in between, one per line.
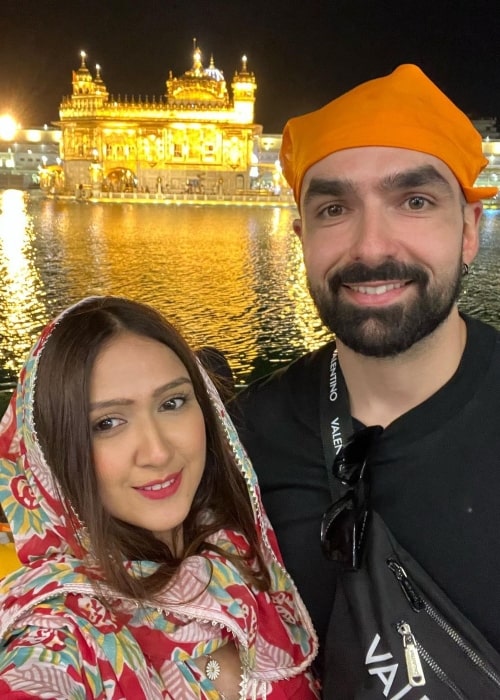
x=389, y=214
x=149, y=569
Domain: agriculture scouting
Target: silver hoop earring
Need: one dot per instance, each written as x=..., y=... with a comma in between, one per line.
x=465, y=269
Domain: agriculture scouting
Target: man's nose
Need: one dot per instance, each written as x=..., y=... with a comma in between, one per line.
x=373, y=237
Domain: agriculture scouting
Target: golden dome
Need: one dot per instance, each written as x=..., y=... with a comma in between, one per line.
x=198, y=85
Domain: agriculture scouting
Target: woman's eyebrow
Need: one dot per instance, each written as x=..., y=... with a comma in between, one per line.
x=171, y=385
x=98, y=405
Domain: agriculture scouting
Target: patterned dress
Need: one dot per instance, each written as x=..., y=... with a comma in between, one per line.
x=58, y=640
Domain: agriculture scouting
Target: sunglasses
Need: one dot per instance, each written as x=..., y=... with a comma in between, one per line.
x=344, y=522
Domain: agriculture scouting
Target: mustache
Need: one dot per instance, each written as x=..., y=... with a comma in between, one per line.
x=359, y=273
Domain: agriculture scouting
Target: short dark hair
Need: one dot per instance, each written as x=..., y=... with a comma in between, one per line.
x=61, y=414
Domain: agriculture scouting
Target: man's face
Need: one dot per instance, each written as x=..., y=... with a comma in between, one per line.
x=384, y=233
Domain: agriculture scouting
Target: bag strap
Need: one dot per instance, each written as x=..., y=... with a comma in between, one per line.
x=335, y=415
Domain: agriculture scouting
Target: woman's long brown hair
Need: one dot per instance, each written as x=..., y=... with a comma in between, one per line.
x=61, y=413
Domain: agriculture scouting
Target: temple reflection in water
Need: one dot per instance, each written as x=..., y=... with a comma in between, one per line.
x=232, y=277
x=199, y=137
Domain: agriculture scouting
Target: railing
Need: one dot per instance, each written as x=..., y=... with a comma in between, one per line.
x=247, y=197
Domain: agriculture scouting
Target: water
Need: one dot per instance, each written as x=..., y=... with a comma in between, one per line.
x=232, y=277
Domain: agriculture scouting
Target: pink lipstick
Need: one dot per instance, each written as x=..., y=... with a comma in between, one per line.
x=156, y=490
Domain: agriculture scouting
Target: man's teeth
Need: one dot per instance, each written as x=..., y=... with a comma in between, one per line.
x=380, y=289
x=157, y=487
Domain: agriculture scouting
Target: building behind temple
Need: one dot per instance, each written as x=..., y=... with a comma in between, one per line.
x=25, y=154
x=198, y=137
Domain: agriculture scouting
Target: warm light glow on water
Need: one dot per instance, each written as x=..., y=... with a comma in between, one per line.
x=21, y=293
x=228, y=276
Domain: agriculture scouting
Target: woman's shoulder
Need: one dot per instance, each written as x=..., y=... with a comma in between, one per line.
x=66, y=644
x=40, y=658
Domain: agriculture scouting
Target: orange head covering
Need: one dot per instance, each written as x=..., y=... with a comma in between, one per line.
x=403, y=110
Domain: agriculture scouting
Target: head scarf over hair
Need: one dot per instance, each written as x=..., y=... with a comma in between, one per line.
x=141, y=650
x=401, y=110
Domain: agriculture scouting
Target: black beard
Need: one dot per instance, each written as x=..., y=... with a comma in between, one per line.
x=388, y=331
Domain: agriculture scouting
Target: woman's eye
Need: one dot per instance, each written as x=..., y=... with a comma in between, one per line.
x=104, y=424
x=174, y=403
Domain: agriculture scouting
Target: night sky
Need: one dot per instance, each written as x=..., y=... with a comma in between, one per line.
x=303, y=52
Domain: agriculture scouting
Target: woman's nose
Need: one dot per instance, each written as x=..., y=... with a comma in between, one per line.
x=154, y=447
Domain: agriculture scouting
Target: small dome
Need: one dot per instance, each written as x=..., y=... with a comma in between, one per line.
x=83, y=71
x=213, y=72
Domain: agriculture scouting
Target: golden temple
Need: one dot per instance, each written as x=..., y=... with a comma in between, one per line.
x=196, y=138
x=197, y=142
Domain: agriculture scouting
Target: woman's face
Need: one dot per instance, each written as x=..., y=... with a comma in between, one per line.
x=148, y=434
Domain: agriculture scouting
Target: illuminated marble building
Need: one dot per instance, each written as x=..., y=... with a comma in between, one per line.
x=197, y=138
x=489, y=128
x=25, y=154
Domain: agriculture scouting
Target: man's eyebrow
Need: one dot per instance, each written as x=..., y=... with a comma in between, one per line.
x=333, y=187
x=99, y=405
x=417, y=177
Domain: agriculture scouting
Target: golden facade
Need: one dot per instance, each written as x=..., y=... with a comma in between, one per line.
x=196, y=138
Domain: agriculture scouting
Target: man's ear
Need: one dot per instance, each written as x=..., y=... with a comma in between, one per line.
x=297, y=227
x=470, y=239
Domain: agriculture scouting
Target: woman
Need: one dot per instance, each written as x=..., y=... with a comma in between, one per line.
x=149, y=567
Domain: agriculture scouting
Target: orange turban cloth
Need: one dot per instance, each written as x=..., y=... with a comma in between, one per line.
x=403, y=110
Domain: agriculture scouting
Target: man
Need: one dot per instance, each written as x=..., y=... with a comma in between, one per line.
x=384, y=179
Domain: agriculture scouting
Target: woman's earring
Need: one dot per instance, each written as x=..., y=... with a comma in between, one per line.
x=465, y=269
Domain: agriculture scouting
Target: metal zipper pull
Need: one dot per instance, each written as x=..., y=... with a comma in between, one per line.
x=416, y=602
x=412, y=657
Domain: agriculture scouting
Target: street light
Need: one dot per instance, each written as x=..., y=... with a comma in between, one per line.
x=8, y=127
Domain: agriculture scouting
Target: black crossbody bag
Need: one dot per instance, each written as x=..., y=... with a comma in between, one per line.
x=393, y=633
